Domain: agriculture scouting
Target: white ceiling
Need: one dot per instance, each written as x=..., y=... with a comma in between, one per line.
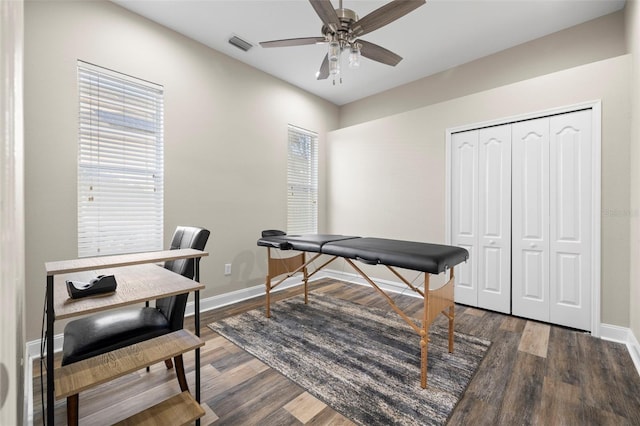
x=437, y=36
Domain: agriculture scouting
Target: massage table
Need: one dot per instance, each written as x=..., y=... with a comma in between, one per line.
x=415, y=256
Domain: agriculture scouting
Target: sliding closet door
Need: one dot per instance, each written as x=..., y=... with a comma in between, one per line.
x=464, y=213
x=530, y=219
x=522, y=203
x=570, y=231
x=481, y=216
x=494, y=218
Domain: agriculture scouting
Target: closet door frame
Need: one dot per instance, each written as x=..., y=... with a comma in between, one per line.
x=596, y=118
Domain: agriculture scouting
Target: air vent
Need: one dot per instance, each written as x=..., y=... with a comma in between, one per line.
x=240, y=43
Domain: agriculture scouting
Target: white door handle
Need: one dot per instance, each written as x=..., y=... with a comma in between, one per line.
x=532, y=245
x=492, y=242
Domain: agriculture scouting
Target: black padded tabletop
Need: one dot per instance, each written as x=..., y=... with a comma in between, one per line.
x=425, y=257
x=309, y=242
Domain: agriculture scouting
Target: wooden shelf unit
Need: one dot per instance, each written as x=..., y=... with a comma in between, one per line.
x=139, y=280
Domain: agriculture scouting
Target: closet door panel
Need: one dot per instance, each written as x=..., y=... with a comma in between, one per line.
x=530, y=219
x=464, y=212
x=570, y=231
x=533, y=282
x=494, y=219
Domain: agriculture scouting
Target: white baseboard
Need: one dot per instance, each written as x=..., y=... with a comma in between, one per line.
x=623, y=335
x=614, y=333
x=232, y=297
x=634, y=350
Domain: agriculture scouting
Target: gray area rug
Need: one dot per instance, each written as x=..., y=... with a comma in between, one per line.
x=361, y=361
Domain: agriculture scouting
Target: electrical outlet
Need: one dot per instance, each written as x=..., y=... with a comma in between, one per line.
x=227, y=269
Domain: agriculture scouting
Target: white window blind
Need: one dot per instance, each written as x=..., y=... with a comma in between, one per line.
x=120, y=163
x=302, y=182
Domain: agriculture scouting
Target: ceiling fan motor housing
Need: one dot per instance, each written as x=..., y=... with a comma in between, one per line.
x=347, y=15
x=343, y=34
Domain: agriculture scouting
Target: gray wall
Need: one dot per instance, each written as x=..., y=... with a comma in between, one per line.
x=582, y=44
x=387, y=176
x=225, y=138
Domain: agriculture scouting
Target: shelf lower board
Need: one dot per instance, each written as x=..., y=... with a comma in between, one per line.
x=77, y=377
x=180, y=409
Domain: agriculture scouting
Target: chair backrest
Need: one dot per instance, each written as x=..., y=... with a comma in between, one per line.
x=184, y=237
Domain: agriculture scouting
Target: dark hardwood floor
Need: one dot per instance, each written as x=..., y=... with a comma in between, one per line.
x=533, y=374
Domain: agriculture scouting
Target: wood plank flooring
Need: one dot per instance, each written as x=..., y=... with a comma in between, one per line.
x=533, y=374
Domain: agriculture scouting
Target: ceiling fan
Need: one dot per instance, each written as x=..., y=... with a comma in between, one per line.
x=341, y=29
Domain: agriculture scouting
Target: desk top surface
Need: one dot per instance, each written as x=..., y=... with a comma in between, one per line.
x=136, y=284
x=92, y=263
x=138, y=276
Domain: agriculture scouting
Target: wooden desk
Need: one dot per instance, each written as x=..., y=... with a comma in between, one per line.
x=139, y=279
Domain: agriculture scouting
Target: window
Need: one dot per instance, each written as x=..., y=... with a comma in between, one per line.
x=302, y=182
x=120, y=163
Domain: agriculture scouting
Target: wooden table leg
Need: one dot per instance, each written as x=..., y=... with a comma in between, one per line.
x=267, y=302
x=451, y=316
x=424, y=353
x=424, y=334
x=305, y=275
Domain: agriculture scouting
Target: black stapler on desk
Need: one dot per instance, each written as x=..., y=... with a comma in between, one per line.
x=99, y=285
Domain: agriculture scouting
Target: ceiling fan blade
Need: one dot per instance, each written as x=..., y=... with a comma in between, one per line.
x=323, y=72
x=384, y=15
x=327, y=13
x=378, y=53
x=292, y=42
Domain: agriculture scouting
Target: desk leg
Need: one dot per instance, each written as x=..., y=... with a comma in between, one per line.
x=267, y=283
x=197, y=326
x=49, y=347
x=197, y=329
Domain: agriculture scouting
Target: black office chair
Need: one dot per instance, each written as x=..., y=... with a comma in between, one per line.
x=104, y=332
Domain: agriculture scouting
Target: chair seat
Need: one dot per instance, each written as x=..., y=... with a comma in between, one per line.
x=100, y=333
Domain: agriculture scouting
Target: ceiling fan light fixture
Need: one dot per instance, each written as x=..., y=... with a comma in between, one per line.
x=334, y=67
x=334, y=51
x=354, y=56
